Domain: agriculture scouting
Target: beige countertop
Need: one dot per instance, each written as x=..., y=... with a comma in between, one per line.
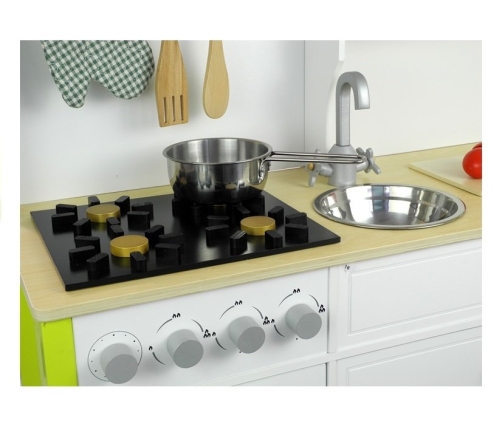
x=49, y=301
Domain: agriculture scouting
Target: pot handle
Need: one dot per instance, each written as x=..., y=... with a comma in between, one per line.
x=309, y=157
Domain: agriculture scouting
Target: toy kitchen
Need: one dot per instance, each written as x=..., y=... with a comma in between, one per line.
x=306, y=253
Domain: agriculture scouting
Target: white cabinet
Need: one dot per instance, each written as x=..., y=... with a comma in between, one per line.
x=449, y=360
x=408, y=319
x=401, y=320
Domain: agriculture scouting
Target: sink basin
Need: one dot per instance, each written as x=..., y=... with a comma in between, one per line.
x=389, y=206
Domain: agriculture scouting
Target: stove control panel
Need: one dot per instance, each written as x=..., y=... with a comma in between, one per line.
x=204, y=337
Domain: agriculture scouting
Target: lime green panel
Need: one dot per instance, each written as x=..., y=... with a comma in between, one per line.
x=59, y=353
x=30, y=367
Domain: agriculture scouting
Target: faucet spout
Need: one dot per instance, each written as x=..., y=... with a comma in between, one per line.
x=344, y=174
x=346, y=81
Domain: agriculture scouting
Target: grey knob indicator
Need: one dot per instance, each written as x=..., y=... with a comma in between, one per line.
x=246, y=334
x=118, y=363
x=303, y=320
x=184, y=348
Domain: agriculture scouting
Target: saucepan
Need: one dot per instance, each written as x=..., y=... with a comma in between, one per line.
x=230, y=170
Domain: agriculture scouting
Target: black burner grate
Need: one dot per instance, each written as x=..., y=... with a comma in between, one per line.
x=181, y=236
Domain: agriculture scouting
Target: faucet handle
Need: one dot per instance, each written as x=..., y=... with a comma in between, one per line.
x=314, y=169
x=370, y=159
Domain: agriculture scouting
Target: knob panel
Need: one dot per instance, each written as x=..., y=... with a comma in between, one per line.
x=208, y=315
x=184, y=348
x=303, y=320
x=246, y=334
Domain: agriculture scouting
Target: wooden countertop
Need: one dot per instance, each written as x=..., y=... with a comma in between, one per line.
x=49, y=301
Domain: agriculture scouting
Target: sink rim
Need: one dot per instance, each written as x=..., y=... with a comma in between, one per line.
x=461, y=207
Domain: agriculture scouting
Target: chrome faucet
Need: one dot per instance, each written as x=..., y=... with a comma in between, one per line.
x=341, y=175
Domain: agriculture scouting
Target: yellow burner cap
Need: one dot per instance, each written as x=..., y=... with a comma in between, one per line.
x=99, y=213
x=257, y=225
x=122, y=246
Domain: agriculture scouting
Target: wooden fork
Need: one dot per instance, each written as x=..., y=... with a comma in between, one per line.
x=171, y=85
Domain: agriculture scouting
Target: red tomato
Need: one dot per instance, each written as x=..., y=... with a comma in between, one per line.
x=472, y=163
x=478, y=145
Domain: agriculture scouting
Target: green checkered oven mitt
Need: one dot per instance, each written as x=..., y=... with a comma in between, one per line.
x=124, y=67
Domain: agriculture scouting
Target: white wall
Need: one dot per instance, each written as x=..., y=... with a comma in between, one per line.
x=423, y=94
x=322, y=68
x=111, y=144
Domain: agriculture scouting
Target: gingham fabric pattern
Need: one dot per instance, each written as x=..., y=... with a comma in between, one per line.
x=122, y=66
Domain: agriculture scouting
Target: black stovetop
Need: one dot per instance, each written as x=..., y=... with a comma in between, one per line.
x=182, y=236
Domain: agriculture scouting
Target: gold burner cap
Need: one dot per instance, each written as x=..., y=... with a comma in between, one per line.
x=122, y=246
x=257, y=225
x=99, y=213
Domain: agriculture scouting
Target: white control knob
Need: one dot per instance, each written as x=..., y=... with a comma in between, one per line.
x=303, y=320
x=247, y=335
x=184, y=348
x=118, y=363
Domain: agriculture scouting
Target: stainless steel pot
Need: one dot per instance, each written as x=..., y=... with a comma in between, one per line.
x=230, y=170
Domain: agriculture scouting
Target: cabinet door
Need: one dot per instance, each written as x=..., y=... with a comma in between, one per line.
x=308, y=377
x=448, y=360
x=402, y=298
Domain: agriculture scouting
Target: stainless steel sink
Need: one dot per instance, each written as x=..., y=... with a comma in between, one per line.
x=389, y=206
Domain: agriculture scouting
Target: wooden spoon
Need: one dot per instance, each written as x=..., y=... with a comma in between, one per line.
x=171, y=86
x=216, y=89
